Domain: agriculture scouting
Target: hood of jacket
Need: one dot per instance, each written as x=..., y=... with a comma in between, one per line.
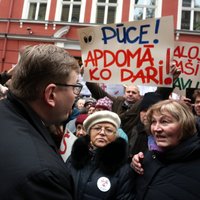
x=108, y=158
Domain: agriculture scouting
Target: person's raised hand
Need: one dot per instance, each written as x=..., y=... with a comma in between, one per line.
x=175, y=71
x=187, y=101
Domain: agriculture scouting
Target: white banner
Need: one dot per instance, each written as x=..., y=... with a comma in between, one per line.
x=66, y=144
x=136, y=52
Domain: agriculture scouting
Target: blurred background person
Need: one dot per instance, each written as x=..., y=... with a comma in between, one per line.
x=80, y=130
x=89, y=102
x=91, y=109
x=80, y=103
x=196, y=97
x=106, y=104
x=139, y=135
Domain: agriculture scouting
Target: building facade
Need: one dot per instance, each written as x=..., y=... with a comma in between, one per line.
x=28, y=22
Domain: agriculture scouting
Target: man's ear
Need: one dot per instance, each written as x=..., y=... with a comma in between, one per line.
x=50, y=94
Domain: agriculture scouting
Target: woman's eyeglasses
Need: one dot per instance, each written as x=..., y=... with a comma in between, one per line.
x=107, y=130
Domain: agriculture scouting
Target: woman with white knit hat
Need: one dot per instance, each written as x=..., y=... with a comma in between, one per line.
x=98, y=162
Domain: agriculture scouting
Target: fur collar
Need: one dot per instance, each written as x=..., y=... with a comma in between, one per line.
x=108, y=159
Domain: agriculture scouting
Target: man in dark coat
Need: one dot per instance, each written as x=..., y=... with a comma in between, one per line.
x=42, y=92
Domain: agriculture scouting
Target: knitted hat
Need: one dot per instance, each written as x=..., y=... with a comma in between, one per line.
x=149, y=99
x=90, y=101
x=80, y=119
x=104, y=103
x=101, y=116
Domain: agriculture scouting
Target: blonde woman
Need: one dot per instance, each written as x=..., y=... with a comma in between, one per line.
x=170, y=169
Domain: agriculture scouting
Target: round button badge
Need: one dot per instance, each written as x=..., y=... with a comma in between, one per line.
x=103, y=183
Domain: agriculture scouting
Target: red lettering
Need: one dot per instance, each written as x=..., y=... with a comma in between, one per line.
x=105, y=74
x=108, y=54
x=147, y=57
x=197, y=69
x=66, y=135
x=132, y=55
x=150, y=74
x=139, y=75
x=122, y=58
x=193, y=52
x=90, y=59
x=125, y=75
x=179, y=52
x=179, y=64
x=97, y=74
x=189, y=68
x=92, y=74
x=122, y=55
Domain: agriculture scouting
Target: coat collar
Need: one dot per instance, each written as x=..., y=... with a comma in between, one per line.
x=26, y=111
x=186, y=150
x=108, y=158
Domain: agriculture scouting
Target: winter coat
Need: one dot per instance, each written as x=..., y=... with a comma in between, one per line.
x=139, y=140
x=101, y=174
x=30, y=167
x=173, y=174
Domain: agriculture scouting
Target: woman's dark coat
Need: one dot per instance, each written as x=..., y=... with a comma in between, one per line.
x=87, y=167
x=171, y=175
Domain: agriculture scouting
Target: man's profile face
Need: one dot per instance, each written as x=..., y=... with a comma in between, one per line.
x=132, y=94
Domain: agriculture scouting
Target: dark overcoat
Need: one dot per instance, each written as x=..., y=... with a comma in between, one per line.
x=173, y=174
x=31, y=167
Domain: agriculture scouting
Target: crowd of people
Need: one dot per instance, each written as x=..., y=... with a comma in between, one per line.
x=129, y=147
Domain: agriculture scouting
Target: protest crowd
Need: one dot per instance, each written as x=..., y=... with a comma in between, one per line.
x=129, y=147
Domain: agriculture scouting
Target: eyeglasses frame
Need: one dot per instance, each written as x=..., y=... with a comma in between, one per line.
x=78, y=85
x=103, y=128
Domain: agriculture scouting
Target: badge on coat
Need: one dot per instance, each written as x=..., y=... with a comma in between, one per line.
x=103, y=183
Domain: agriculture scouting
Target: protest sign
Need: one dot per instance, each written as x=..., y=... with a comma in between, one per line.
x=66, y=144
x=136, y=52
x=113, y=89
x=187, y=57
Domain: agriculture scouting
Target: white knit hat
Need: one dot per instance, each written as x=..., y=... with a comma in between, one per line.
x=101, y=116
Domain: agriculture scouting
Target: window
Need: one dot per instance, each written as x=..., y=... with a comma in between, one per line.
x=36, y=9
x=144, y=9
x=106, y=11
x=70, y=10
x=190, y=15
